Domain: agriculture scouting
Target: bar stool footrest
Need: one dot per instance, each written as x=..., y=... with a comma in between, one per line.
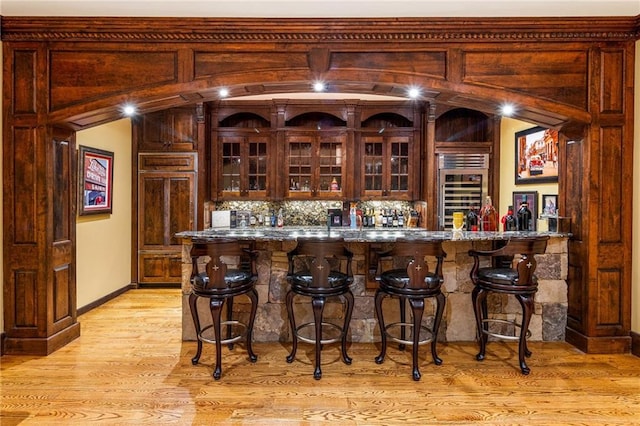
x=235, y=337
x=312, y=340
x=503, y=336
x=395, y=338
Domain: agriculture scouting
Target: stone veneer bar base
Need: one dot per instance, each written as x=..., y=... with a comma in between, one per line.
x=547, y=324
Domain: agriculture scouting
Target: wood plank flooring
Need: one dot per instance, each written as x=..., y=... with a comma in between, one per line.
x=130, y=367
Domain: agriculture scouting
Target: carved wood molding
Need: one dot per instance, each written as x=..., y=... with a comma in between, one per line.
x=320, y=30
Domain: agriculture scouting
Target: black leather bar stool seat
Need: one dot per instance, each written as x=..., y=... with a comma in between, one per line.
x=414, y=283
x=220, y=283
x=504, y=277
x=320, y=268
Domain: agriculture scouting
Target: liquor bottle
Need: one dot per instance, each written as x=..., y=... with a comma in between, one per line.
x=400, y=219
x=395, y=220
x=472, y=219
x=524, y=215
x=509, y=222
x=379, y=220
x=488, y=216
x=280, y=219
x=385, y=219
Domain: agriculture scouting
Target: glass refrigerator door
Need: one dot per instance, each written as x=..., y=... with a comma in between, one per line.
x=459, y=191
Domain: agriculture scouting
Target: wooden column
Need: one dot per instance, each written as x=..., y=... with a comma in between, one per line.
x=39, y=214
x=596, y=181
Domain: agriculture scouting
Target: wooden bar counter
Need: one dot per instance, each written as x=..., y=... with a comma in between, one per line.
x=548, y=322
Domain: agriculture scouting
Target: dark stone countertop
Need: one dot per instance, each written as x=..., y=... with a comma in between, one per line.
x=288, y=233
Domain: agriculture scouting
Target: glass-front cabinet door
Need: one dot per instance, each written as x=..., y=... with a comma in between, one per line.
x=314, y=164
x=243, y=166
x=387, y=165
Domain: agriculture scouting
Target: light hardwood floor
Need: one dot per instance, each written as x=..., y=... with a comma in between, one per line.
x=130, y=367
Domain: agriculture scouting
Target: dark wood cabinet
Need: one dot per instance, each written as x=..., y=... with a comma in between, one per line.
x=174, y=129
x=243, y=160
x=388, y=166
x=315, y=164
x=166, y=205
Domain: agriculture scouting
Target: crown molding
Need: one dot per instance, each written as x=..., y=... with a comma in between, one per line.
x=315, y=30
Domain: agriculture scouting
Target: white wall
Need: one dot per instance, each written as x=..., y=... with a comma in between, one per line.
x=103, y=242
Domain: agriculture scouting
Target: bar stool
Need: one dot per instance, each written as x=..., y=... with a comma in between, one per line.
x=320, y=268
x=412, y=282
x=230, y=272
x=505, y=278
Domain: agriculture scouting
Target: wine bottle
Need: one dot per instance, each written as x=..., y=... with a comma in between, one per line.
x=509, y=222
x=524, y=215
x=472, y=219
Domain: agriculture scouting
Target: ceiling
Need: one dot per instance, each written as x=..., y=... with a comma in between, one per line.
x=320, y=9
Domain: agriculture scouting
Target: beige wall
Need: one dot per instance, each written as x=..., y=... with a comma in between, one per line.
x=508, y=129
x=103, y=242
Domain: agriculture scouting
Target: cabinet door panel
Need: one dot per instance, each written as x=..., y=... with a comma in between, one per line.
x=151, y=197
x=175, y=129
x=180, y=217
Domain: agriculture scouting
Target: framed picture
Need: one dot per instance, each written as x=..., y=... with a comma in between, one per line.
x=549, y=204
x=536, y=155
x=531, y=197
x=96, y=180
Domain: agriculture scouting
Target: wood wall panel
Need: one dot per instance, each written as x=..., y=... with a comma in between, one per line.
x=611, y=185
x=612, y=94
x=209, y=64
x=557, y=75
x=24, y=87
x=417, y=62
x=609, y=306
x=62, y=286
x=25, y=171
x=574, y=205
x=576, y=294
x=62, y=190
x=24, y=299
x=79, y=76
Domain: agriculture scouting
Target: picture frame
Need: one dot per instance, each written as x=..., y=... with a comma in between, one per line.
x=549, y=205
x=532, y=200
x=536, y=155
x=95, y=172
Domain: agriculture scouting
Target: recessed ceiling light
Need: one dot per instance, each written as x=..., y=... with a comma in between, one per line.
x=507, y=110
x=223, y=93
x=129, y=110
x=318, y=86
x=413, y=92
